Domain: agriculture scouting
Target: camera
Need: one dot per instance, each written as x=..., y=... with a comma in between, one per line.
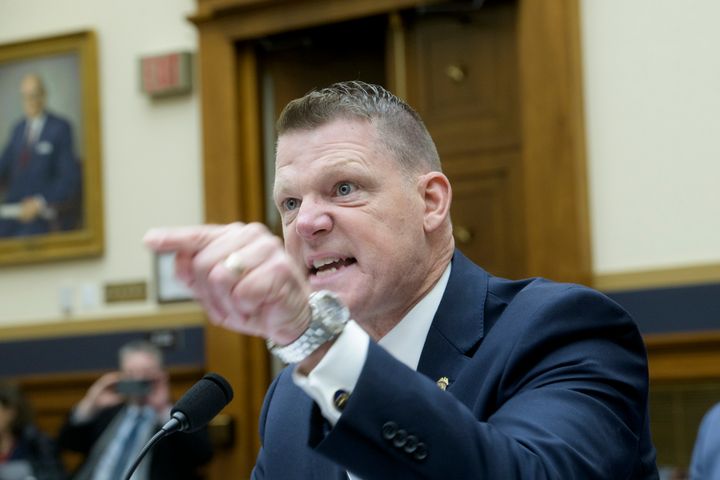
x=134, y=388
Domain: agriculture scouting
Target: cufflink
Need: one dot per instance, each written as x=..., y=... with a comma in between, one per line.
x=340, y=399
x=443, y=382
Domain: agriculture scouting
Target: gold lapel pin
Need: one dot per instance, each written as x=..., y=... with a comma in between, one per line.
x=443, y=382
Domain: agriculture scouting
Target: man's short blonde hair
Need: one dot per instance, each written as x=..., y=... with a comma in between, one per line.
x=399, y=128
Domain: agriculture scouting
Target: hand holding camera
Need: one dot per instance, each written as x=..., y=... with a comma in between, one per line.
x=134, y=388
x=101, y=394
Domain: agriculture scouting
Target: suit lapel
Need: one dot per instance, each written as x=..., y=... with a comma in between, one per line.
x=458, y=325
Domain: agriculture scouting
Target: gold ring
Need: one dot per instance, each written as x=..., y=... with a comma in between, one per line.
x=234, y=264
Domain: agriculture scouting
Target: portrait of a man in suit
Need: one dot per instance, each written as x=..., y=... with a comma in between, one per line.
x=40, y=175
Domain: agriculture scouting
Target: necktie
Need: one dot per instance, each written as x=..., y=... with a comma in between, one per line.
x=26, y=150
x=126, y=450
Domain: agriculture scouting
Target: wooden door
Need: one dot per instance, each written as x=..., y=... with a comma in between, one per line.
x=463, y=80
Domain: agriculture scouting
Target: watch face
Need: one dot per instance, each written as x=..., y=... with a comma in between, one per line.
x=329, y=316
x=329, y=310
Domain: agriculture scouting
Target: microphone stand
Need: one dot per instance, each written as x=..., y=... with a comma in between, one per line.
x=195, y=409
x=155, y=438
x=178, y=421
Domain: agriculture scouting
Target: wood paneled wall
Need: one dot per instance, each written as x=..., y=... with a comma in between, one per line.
x=684, y=384
x=684, y=356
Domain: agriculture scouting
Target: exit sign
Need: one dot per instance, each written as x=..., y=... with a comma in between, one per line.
x=167, y=74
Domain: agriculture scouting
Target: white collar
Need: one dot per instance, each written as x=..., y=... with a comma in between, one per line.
x=407, y=339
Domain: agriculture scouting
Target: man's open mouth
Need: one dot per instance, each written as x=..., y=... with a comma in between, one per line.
x=326, y=266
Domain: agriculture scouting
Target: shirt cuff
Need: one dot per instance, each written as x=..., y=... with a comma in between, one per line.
x=339, y=370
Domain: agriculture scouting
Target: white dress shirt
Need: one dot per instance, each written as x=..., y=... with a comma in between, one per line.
x=34, y=128
x=341, y=366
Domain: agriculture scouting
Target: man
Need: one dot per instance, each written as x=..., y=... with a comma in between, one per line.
x=705, y=464
x=118, y=415
x=39, y=173
x=445, y=371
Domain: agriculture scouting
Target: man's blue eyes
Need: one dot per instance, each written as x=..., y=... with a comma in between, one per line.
x=342, y=189
x=291, y=203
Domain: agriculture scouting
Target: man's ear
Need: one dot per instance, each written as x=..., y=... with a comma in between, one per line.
x=437, y=194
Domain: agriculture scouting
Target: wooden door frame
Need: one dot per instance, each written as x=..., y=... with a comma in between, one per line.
x=553, y=154
x=553, y=136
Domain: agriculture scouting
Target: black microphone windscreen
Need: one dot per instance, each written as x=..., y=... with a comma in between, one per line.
x=204, y=400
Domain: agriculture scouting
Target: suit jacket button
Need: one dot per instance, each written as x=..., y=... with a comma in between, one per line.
x=400, y=438
x=340, y=399
x=411, y=443
x=389, y=430
x=421, y=452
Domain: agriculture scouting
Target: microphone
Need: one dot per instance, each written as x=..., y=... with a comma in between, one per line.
x=193, y=411
x=200, y=404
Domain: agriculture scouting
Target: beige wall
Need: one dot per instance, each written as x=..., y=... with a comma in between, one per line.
x=652, y=91
x=150, y=150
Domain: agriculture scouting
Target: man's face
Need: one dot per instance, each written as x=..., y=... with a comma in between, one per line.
x=140, y=365
x=351, y=218
x=33, y=96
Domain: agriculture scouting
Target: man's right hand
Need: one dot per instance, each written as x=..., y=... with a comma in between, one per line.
x=100, y=395
x=262, y=292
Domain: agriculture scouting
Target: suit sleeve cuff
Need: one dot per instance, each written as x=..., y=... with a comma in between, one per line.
x=339, y=370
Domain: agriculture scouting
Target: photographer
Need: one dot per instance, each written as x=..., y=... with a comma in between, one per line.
x=118, y=415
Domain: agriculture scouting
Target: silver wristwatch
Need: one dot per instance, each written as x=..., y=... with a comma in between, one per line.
x=329, y=315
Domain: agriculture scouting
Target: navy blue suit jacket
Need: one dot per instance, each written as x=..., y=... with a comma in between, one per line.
x=51, y=170
x=546, y=380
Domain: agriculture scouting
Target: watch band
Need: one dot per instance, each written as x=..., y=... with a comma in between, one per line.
x=329, y=315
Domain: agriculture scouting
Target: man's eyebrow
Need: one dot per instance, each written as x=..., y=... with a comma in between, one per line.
x=280, y=188
x=336, y=168
x=277, y=191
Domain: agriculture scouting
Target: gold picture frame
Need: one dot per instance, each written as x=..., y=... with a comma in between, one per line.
x=65, y=67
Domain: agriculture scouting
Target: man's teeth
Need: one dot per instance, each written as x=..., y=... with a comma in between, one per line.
x=328, y=265
x=327, y=271
x=324, y=261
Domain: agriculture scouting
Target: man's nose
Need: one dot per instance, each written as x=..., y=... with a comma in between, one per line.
x=313, y=218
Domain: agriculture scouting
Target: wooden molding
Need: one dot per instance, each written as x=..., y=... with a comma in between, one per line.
x=165, y=317
x=684, y=356
x=246, y=19
x=658, y=278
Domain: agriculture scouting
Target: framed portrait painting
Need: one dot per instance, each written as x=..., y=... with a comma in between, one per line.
x=50, y=181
